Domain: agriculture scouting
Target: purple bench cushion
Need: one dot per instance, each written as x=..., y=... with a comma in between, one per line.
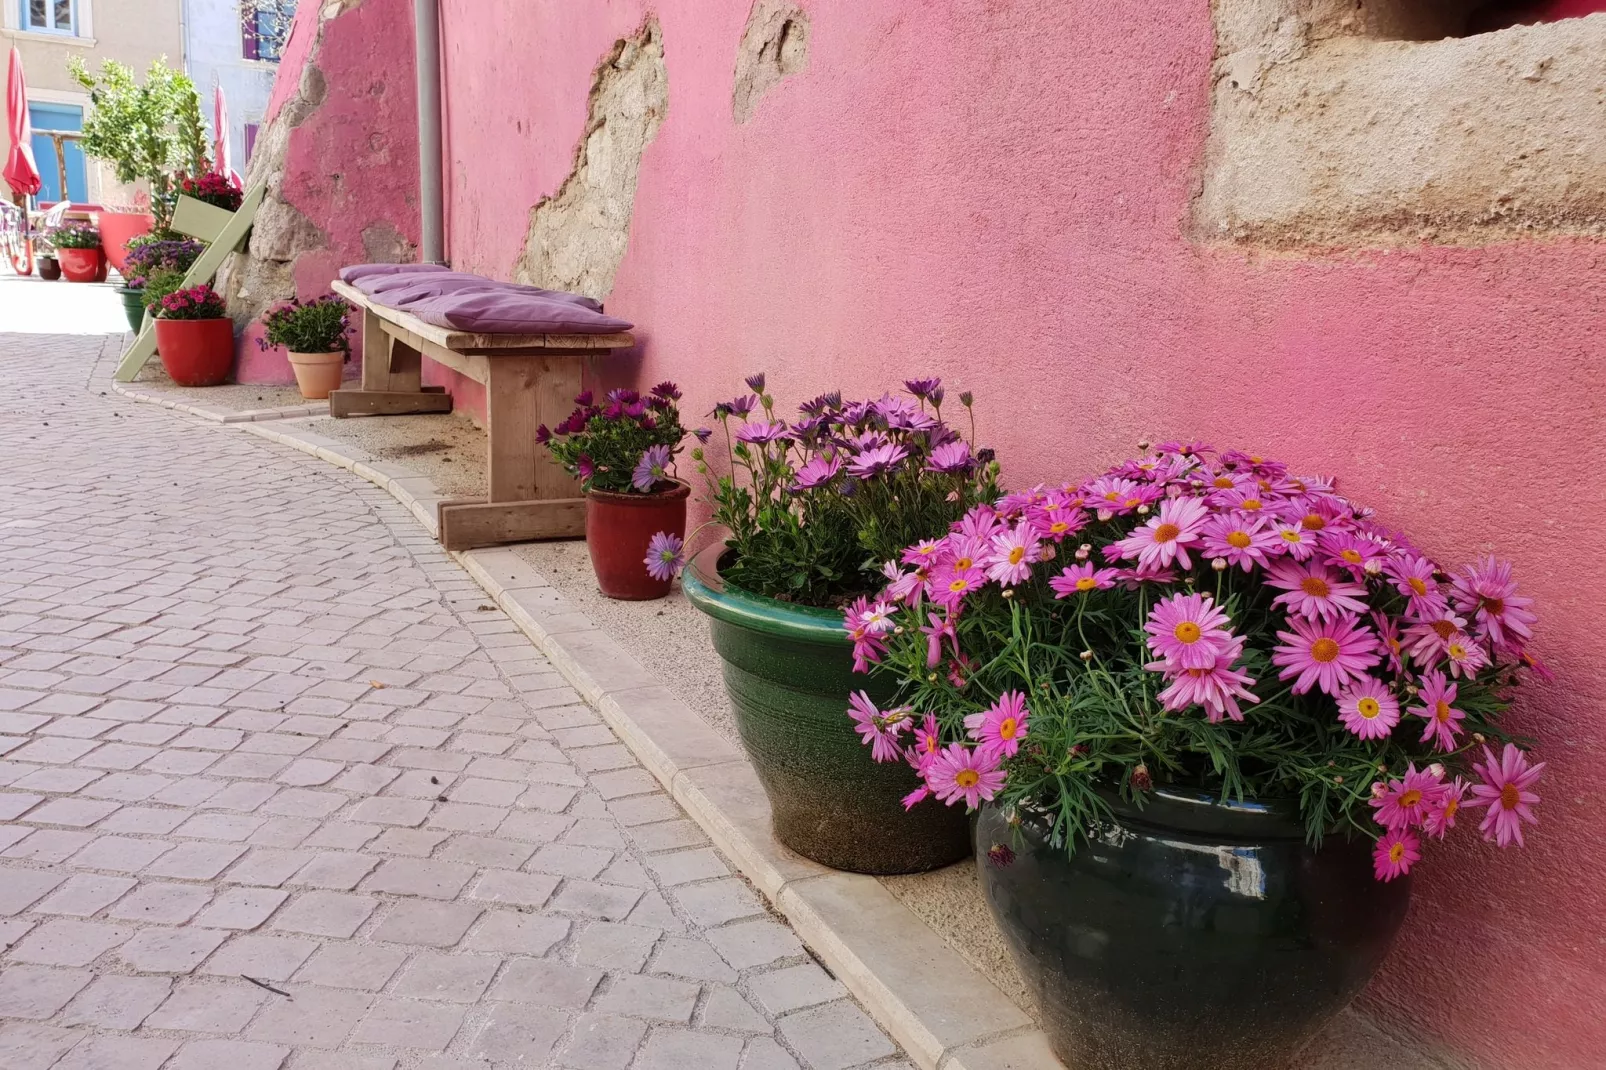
x=398, y=290
x=363, y=271
x=508, y=312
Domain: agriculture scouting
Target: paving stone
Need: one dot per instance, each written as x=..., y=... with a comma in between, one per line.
x=673, y=1049
x=170, y=950
x=85, y=894
x=72, y=813
x=267, y=958
x=195, y=861
x=764, y=1054
x=427, y=924
x=118, y=1053
x=567, y=860
x=410, y=876
x=684, y=867
x=21, y=888
x=835, y=1036
x=610, y=901
x=410, y=1023
x=695, y=960
x=755, y=943
x=793, y=987
x=449, y=978
x=337, y=870
x=230, y=1054
x=38, y=991
x=326, y=914
x=116, y=1002
x=516, y=1035
x=210, y=1007
x=656, y=998
x=547, y=983
x=603, y=1042
x=725, y=1009
x=32, y=1046
x=519, y=889
x=66, y=942
x=420, y=843
x=324, y=1022
x=516, y=933
x=615, y=947
x=364, y=966
x=241, y=908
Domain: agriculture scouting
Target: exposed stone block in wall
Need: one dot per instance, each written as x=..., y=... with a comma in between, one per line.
x=775, y=44
x=1337, y=123
x=578, y=236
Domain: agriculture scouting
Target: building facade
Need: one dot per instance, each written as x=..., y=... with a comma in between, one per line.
x=236, y=44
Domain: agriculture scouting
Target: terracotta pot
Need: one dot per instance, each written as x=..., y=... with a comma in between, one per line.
x=318, y=373
x=115, y=230
x=49, y=268
x=196, y=352
x=789, y=672
x=1190, y=934
x=618, y=529
x=82, y=265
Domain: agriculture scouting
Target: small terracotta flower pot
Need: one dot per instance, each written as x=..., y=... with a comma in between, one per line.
x=196, y=352
x=618, y=529
x=318, y=373
x=81, y=265
x=49, y=268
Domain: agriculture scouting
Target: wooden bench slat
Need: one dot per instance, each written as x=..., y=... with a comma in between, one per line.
x=464, y=342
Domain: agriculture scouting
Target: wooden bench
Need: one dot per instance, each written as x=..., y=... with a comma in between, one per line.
x=529, y=379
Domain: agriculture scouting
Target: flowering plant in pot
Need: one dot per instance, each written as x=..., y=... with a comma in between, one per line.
x=194, y=336
x=218, y=190
x=314, y=335
x=78, y=249
x=1193, y=688
x=148, y=257
x=815, y=509
x=623, y=452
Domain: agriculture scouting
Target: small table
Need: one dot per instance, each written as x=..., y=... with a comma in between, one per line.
x=529, y=379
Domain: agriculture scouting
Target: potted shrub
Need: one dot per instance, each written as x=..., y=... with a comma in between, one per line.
x=815, y=509
x=314, y=335
x=45, y=259
x=194, y=336
x=217, y=190
x=623, y=453
x=1211, y=714
x=148, y=256
x=77, y=247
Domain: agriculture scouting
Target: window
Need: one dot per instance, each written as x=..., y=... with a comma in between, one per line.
x=50, y=16
x=264, y=26
x=57, y=152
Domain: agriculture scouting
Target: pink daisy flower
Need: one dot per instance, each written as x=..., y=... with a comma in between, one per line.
x=951, y=586
x=1487, y=593
x=1321, y=513
x=1166, y=536
x=1406, y=802
x=1130, y=579
x=1313, y=590
x=1427, y=638
x=916, y=797
x=1295, y=541
x=927, y=745
x=966, y=552
x=1388, y=635
x=1217, y=688
x=1326, y=654
x=1444, y=720
x=1505, y=792
x=903, y=586
x=1082, y=578
x=1247, y=498
x=1361, y=555
x=1002, y=725
x=979, y=523
x=939, y=629
x=1466, y=655
x=1368, y=709
x=817, y=472
x=1188, y=631
x=1244, y=539
x=960, y=772
x=1055, y=518
x=1412, y=576
x=1118, y=496
x=1227, y=479
x=876, y=729
x=1013, y=553
x=867, y=645
x=1395, y=854
x=1441, y=818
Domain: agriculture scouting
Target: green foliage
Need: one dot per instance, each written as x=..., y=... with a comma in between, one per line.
x=604, y=444
x=317, y=326
x=159, y=285
x=147, y=130
x=75, y=235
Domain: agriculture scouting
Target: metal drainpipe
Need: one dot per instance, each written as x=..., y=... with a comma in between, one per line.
x=427, y=38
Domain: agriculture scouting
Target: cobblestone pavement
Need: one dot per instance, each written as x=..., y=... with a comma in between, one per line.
x=279, y=789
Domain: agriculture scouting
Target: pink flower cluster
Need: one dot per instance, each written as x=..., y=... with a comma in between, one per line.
x=1363, y=620
x=971, y=773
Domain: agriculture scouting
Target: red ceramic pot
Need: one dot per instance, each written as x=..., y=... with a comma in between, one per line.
x=618, y=529
x=197, y=352
x=115, y=230
x=81, y=265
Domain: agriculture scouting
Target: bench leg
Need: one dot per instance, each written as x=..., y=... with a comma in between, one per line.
x=522, y=394
x=465, y=525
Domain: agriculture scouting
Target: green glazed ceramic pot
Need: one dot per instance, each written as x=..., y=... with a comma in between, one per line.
x=789, y=671
x=1189, y=935
x=133, y=307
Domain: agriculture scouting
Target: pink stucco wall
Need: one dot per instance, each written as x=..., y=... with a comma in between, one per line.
x=998, y=193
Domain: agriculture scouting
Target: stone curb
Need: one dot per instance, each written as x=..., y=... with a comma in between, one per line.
x=216, y=415
x=943, y=1012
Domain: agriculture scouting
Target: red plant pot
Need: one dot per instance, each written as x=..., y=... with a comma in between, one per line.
x=81, y=265
x=618, y=529
x=196, y=352
x=115, y=230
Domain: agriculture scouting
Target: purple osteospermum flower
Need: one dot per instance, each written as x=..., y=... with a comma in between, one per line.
x=666, y=390
x=755, y=383
x=922, y=387
x=819, y=470
x=665, y=556
x=760, y=432
x=742, y=406
x=703, y=434
x=953, y=457
x=882, y=459
x=585, y=466
x=651, y=469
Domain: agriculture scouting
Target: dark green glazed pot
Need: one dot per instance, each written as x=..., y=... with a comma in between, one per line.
x=133, y=306
x=1191, y=935
x=789, y=671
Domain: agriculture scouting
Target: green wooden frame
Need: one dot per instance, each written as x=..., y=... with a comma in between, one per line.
x=225, y=232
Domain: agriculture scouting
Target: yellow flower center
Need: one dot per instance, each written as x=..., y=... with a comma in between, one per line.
x=1368, y=707
x=1007, y=728
x=1291, y=535
x=1352, y=556
x=1510, y=797
x=1239, y=540
x=1223, y=483
x=1086, y=583
x=1250, y=504
x=1111, y=496
x=1457, y=651
x=1313, y=522
x=1315, y=586
x=1494, y=606
x=967, y=778
x=1411, y=798
x=1441, y=712
x=1324, y=650
x=930, y=745
x=958, y=584
x=1397, y=852
x=1417, y=586
x=1017, y=554
x=1445, y=628
x=964, y=562
x=1166, y=532
x=1132, y=503
x=1059, y=526
x=1451, y=807
x=1187, y=631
